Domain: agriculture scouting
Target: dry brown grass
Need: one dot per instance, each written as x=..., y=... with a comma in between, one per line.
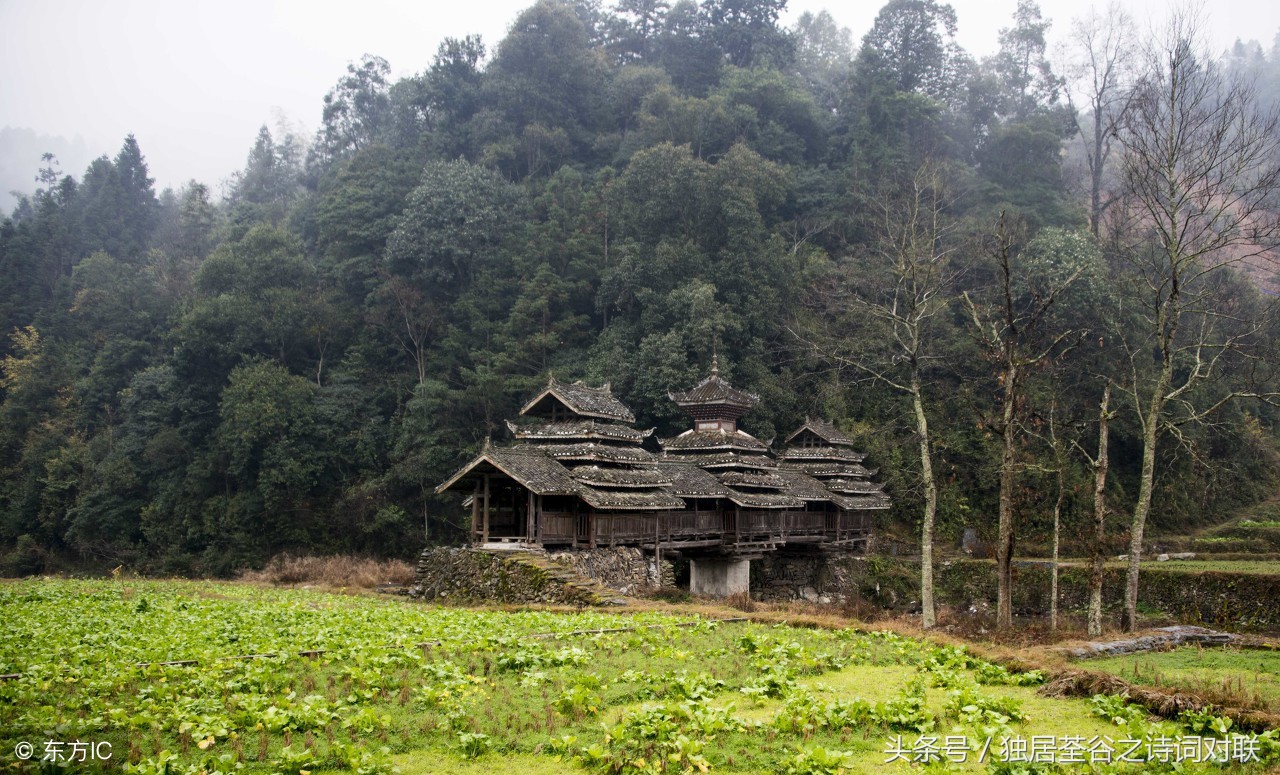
x=334, y=571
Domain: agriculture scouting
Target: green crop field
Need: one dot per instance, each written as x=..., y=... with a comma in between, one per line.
x=303, y=682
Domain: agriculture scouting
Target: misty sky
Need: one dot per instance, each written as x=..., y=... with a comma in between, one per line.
x=194, y=79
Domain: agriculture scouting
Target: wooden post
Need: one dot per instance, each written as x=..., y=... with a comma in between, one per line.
x=528, y=531
x=657, y=550
x=475, y=512
x=538, y=501
x=484, y=535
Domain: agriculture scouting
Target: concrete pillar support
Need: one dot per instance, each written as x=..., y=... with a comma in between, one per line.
x=719, y=576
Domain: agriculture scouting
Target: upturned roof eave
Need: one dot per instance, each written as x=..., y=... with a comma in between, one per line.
x=523, y=481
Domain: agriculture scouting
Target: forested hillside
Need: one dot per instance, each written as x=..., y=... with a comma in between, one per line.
x=880, y=232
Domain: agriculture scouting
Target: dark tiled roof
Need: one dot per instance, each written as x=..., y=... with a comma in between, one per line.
x=529, y=466
x=724, y=460
x=853, y=486
x=586, y=401
x=689, y=481
x=822, y=469
x=822, y=453
x=714, y=390
x=805, y=487
x=593, y=452
x=878, y=501
x=647, y=477
x=749, y=479
x=630, y=500
x=824, y=430
x=765, y=500
x=713, y=439
x=580, y=429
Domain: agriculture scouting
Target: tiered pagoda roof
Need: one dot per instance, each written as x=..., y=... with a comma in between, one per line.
x=586, y=430
x=751, y=479
x=577, y=440
x=717, y=439
x=580, y=401
x=822, y=430
x=819, y=450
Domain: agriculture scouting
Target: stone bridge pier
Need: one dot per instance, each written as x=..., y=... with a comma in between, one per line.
x=719, y=576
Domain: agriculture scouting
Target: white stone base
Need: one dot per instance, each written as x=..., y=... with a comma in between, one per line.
x=719, y=577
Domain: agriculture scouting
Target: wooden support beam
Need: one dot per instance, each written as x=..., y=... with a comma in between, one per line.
x=538, y=502
x=475, y=512
x=484, y=534
x=529, y=522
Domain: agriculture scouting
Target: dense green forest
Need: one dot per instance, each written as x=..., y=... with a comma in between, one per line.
x=614, y=194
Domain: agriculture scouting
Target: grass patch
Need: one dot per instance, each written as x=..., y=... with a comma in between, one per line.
x=1246, y=567
x=1244, y=678
x=433, y=762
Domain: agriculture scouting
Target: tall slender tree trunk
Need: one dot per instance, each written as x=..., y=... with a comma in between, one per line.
x=1100, y=465
x=1057, y=542
x=928, y=615
x=1141, y=510
x=1096, y=162
x=1004, y=539
x=1146, y=485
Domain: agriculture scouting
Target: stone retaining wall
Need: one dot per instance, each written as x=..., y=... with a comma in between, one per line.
x=468, y=575
x=1240, y=601
x=578, y=577
x=830, y=577
x=626, y=569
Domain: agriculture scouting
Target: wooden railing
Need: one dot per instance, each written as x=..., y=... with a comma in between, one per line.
x=690, y=524
x=558, y=527
x=672, y=528
x=781, y=523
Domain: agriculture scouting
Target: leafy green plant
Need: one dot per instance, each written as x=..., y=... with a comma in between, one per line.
x=989, y=673
x=473, y=744
x=906, y=711
x=362, y=761
x=294, y=760
x=1117, y=709
x=816, y=760
x=991, y=715
x=578, y=701
x=1205, y=722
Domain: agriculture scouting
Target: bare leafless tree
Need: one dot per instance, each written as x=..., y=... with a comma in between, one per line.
x=1011, y=330
x=910, y=260
x=405, y=312
x=1201, y=173
x=1101, y=49
x=1101, y=465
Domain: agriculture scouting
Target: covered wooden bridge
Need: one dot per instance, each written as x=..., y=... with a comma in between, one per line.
x=579, y=475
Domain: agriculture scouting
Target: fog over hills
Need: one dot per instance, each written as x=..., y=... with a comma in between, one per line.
x=193, y=81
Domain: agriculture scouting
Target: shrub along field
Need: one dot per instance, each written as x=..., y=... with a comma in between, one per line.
x=298, y=681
